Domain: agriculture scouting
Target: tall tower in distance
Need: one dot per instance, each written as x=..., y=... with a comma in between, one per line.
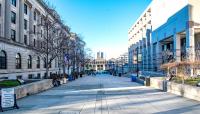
x=100, y=55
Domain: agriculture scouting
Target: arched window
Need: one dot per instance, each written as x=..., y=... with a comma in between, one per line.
x=29, y=62
x=18, y=61
x=3, y=60
x=38, y=62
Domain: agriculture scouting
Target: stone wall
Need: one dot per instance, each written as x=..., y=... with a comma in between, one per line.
x=191, y=92
x=157, y=82
x=187, y=91
x=33, y=88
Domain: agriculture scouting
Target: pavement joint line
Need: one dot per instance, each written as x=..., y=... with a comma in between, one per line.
x=60, y=112
x=82, y=108
x=107, y=104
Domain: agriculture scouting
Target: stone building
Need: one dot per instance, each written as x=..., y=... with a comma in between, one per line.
x=166, y=30
x=99, y=63
x=18, y=39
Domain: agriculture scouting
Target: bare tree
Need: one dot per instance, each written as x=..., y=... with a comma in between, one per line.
x=50, y=37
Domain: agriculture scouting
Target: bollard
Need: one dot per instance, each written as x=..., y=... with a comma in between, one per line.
x=147, y=81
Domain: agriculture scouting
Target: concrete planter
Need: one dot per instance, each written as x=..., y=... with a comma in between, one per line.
x=158, y=83
x=187, y=91
x=33, y=88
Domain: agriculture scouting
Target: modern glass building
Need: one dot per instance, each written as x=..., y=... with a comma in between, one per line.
x=168, y=30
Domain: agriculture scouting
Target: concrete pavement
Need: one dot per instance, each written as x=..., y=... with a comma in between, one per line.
x=105, y=94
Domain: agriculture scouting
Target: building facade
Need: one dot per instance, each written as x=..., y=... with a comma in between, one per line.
x=18, y=38
x=167, y=30
x=97, y=64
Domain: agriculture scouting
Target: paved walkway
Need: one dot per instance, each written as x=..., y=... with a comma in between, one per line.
x=105, y=94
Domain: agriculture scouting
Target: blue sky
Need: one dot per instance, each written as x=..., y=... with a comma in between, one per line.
x=103, y=24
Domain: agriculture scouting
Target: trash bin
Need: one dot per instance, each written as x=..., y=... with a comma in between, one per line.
x=70, y=78
x=133, y=78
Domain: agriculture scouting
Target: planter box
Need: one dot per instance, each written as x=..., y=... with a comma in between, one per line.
x=158, y=83
x=33, y=88
x=187, y=91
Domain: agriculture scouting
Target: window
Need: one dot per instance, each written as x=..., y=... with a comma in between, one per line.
x=18, y=61
x=41, y=45
x=29, y=62
x=0, y=29
x=34, y=15
x=13, y=35
x=38, y=62
x=13, y=17
x=14, y=2
x=38, y=76
x=25, y=24
x=0, y=9
x=3, y=60
x=19, y=77
x=25, y=39
x=25, y=9
x=41, y=33
x=45, y=75
x=45, y=64
x=34, y=29
x=34, y=43
x=30, y=76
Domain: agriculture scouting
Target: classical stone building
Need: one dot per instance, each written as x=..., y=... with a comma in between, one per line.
x=18, y=38
x=166, y=30
x=98, y=64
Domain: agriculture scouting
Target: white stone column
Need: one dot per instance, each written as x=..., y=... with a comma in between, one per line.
x=190, y=45
x=177, y=47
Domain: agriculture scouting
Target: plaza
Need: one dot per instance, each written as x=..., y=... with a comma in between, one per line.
x=105, y=94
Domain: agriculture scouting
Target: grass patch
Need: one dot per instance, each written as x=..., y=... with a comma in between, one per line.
x=9, y=83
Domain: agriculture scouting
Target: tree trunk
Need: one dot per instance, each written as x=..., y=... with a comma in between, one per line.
x=63, y=63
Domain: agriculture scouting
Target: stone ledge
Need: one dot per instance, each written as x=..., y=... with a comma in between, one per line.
x=33, y=88
x=187, y=91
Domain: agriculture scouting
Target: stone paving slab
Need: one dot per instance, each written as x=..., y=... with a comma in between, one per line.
x=105, y=94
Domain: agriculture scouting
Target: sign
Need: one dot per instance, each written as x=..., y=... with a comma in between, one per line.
x=7, y=98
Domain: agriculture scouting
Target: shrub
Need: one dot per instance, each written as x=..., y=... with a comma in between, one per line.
x=9, y=83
